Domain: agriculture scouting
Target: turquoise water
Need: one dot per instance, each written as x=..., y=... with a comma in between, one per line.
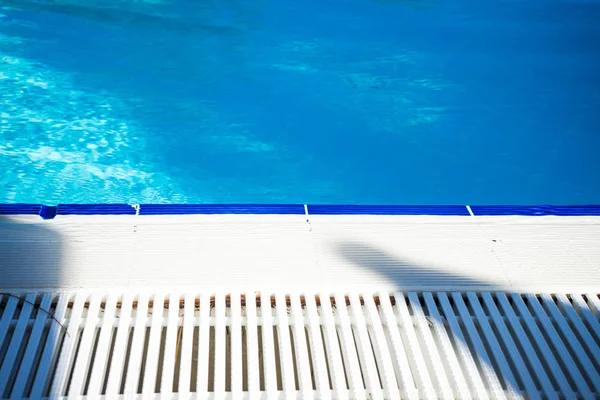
x=346, y=101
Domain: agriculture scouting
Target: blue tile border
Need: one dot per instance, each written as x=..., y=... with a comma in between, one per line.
x=49, y=212
x=95, y=209
x=588, y=210
x=170, y=209
x=386, y=210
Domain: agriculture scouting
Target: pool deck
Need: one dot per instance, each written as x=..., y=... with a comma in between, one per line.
x=302, y=252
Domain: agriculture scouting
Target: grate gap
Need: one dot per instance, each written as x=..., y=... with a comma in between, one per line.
x=261, y=363
x=228, y=357
x=178, y=357
x=92, y=357
x=7, y=338
x=327, y=352
x=127, y=361
x=17, y=362
x=310, y=359
x=211, y=359
x=73, y=362
x=194, y=368
x=278, y=370
x=361, y=366
x=339, y=344
x=111, y=350
x=144, y=360
x=294, y=358
x=244, y=358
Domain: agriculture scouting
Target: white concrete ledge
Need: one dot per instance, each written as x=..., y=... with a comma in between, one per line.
x=287, y=252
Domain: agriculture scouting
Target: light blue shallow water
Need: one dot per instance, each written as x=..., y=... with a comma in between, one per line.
x=345, y=101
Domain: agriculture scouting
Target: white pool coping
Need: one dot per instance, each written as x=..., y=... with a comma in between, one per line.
x=293, y=253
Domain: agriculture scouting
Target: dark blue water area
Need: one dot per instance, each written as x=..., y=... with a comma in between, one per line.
x=353, y=102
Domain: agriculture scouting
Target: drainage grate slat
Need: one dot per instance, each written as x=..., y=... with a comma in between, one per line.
x=317, y=349
x=461, y=344
x=443, y=385
x=544, y=348
x=150, y=370
x=455, y=375
x=349, y=350
x=402, y=368
x=586, y=365
x=15, y=344
x=301, y=349
x=252, y=347
x=480, y=351
x=186, y=347
x=424, y=382
x=27, y=365
x=117, y=367
x=134, y=369
x=340, y=390
x=100, y=365
x=365, y=352
x=409, y=345
x=285, y=350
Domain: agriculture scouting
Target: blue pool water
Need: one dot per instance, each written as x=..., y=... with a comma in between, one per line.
x=319, y=101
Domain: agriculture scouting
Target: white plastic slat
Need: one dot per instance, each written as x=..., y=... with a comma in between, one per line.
x=137, y=346
x=480, y=351
x=587, y=314
x=270, y=372
x=364, y=348
x=495, y=348
x=32, y=348
x=301, y=351
x=70, y=342
x=349, y=352
x=100, y=366
x=400, y=360
x=7, y=315
x=513, y=351
x=236, y=345
x=171, y=340
x=318, y=351
x=425, y=385
x=566, y=360
x=583, y=332
x=252, y=347
x=220, y=321
x=117, y=366
x=187, y=345
x=459, y=383
x=151, y=369
x=382, y=353
x=526, y=345
x=15, y=341
x=50, y=351
x=463, y=349
x=444, y=389
x=203, y=343
x=580, y=353
x=285, y=349
x=82, y=362
x=340, y=390
x=554, y=366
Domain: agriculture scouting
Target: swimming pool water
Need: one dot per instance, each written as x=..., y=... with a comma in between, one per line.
x=345, y=101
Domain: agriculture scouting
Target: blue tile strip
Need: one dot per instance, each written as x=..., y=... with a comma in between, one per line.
x=588, y=210
x=20, y=209
x=49, y=212
x=386, y=210
x=160, y=209
x=95, y=209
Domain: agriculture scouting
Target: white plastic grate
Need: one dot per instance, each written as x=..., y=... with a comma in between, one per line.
x=410, y=345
